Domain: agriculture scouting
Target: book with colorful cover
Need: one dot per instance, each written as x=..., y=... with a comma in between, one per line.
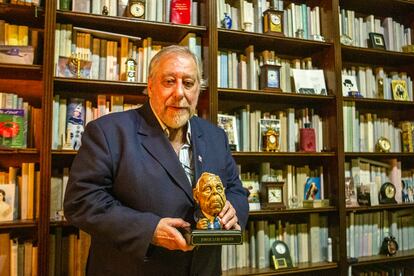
x=312, y=189
x=75, y=118
x=180, y=11
x=13, y=128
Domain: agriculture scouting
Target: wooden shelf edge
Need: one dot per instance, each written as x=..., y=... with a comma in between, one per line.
x=377, y=101
x=237, y=91
x=282, y=154
x=64, y=152
x=19, y=151
x=276, y=38
x=292, y=211
x=300, y=268
x=18, y=224
x=379, y=154
x=98, y=82
x=377, y=259
x=34, y=67
x=380, y=207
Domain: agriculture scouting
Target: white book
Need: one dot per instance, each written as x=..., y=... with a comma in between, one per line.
x=260, y=248
x=314, y=238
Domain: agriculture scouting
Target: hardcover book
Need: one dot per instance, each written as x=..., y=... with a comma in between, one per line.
x=180, y=11
x=12, y=128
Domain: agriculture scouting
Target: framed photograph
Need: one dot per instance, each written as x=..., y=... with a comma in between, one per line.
x=376, y=41
x=309, y=81
x=349, y=85
x=7, y=197
x=270, y=77
x=399, y=90
x=69, y=68
x=228, y=124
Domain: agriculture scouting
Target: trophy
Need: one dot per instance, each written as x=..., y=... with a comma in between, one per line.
x=210, y=199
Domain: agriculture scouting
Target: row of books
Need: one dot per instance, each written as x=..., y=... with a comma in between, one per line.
x=71, y=115
x=58, y=183
x=106, y=59
x=307, y=243
x=17, y=257
x=14, y=35
x=20, y=190
x=375, y=83
x=297, y=183
x=366, y=231
x=372, y=174
x=244, y=71
x=68, y=253
x=396, y=35
x=168, y=11
x=245, y=129
x=362, y=130
x=299, y=20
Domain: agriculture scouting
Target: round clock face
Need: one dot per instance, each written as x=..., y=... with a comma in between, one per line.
x=274, y=195
x=384, y=144
x=275, y=19
x=280, y=248
x=389, y=191
x=137, y=9
x=392, y=247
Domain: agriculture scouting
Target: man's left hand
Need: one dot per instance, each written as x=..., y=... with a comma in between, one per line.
x=228, y=217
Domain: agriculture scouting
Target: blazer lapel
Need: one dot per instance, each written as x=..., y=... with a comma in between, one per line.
x=199, y=148
x=157, y=144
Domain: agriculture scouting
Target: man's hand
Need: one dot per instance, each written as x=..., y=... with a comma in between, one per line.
x=166, y=234
x=228, y=217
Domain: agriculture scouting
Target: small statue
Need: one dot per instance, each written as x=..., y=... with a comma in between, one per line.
x=209, y=195
x=226, y=23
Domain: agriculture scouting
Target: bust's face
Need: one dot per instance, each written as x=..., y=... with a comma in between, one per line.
x=209, y=194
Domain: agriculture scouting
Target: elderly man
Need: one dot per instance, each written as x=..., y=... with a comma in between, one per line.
x=131, y=183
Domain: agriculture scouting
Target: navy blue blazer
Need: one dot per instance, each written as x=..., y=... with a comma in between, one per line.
x=126, y=177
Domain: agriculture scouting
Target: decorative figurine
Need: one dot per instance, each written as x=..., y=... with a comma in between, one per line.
x=226, y=23
x=209, y=195
x=210, y=198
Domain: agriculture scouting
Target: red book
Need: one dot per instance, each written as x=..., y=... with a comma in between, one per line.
x=180, y=11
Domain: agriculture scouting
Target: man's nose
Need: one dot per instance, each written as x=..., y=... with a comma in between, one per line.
x=179, y=90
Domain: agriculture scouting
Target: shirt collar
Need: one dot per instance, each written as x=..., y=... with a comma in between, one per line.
x=165, y=128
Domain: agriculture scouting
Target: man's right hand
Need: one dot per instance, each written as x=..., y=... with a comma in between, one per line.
x=167, y=235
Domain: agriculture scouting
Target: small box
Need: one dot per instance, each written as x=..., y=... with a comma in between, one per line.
x=17, y=54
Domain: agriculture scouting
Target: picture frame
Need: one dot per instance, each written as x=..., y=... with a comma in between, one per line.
x=376, y=41
x=311, y=82
x=7, y=201
x=399, y=90
x=228, y=124
x=349, y=86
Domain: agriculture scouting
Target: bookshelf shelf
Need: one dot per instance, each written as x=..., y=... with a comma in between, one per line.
x=18, y=224
x=283, y=154
x=300, y=268
x=159, y=31
x=404, y=155
x=378, y=259
x=32, y=151
x=298, y=211
x=21, y=67
x=360, y=55
x=394, y=8
x=276, y=97
x=103, y=86
x=23, y=14
x=285, y=45
x=380, y=207
x=381, y=104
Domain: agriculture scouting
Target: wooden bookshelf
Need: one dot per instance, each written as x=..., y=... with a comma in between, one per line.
x=38, y=85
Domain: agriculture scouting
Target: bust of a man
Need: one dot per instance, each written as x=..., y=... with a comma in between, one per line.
x=209, y=195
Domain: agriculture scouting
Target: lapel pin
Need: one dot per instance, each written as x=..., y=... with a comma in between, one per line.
x=200, y=159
